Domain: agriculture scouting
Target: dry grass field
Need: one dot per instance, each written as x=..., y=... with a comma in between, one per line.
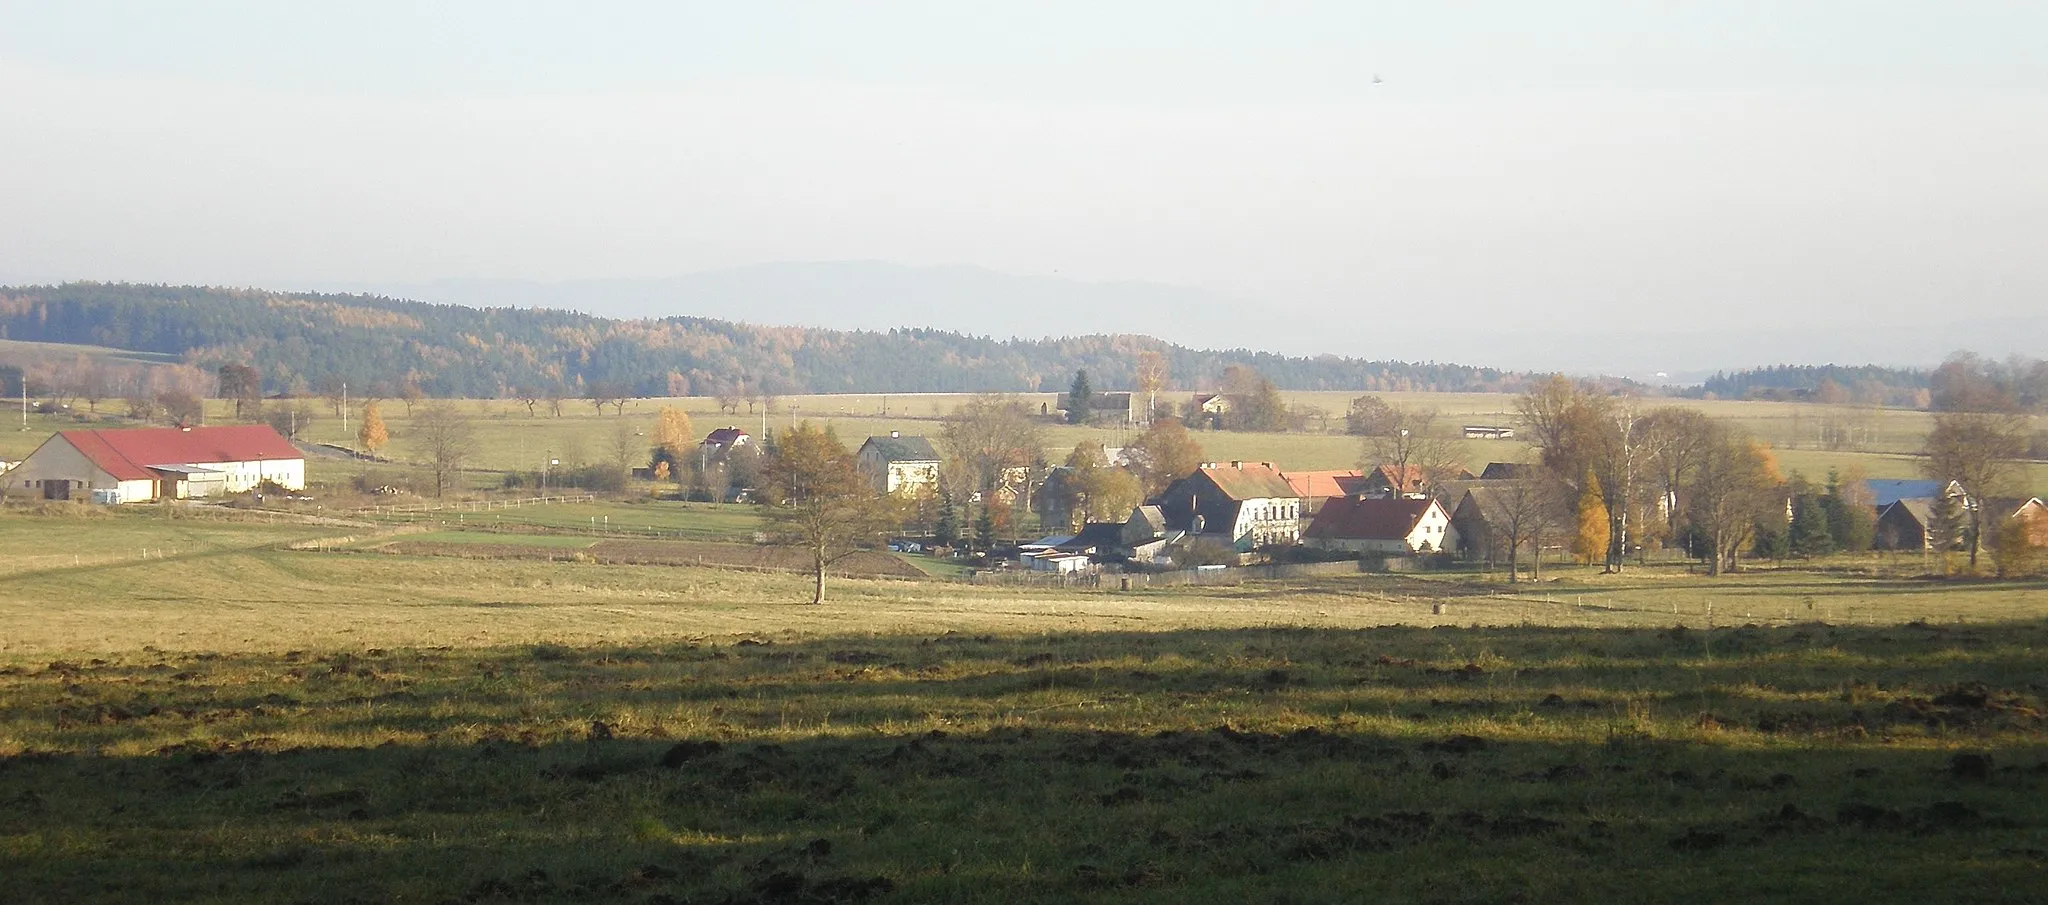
x=237, y=721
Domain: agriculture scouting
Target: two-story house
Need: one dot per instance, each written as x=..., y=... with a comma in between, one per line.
x=900, y=465
x=1244, y=504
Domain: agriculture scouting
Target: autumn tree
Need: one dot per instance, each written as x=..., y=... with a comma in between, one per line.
x=1371, y=416
x=1150, y=371
x=1528, y=511
x=625, y=447
x=986, y=437
x=1735, y=487
x=1589, y=542
x=2016, y=547
x=372, y=437
x=1255, y=403
x=1098, y=490
x=674, y=438
x=1980, y=451
x=446, y=438
x=819, y=502
x=244, y=385
x=1411, y=444
x=1164, y=453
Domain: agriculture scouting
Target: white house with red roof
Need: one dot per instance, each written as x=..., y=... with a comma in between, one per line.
x=139, y=465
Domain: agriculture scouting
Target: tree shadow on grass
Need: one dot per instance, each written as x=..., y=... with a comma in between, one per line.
x=1427, y=764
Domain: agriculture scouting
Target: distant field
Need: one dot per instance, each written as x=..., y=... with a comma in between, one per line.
x=511, y=440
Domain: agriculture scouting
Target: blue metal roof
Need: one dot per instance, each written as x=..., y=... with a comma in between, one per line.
x=1886, y=491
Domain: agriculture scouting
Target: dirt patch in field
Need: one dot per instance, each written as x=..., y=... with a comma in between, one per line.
x=668, y=553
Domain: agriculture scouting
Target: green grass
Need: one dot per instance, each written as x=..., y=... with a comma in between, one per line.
x=243, y=722
x=692, y=521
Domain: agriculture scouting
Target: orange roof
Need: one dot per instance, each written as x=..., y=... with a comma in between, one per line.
x=1318, y=484
x=129, y=455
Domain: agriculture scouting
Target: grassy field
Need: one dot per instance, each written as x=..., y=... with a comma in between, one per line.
x=236, y=721
x=511, y=440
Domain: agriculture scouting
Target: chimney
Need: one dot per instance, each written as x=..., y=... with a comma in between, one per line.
x=895, y=435
x=1237, y=463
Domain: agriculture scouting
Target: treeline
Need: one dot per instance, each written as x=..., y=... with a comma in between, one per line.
x=299, y=342
x=1831, y=384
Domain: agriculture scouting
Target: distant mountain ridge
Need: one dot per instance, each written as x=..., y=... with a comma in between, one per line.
x=497, y=351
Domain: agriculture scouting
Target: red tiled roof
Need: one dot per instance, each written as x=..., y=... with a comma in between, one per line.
x=1368, y=519
x=726, y=436
x=1320, y=484
x=129, y=454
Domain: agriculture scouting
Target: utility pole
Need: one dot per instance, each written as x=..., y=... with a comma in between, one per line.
x=24, y=400
x=344, y=411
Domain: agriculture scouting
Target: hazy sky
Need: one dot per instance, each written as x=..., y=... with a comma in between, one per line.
x=1557, y=164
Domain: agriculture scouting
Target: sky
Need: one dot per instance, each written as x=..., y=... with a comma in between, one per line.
x=1379, y=169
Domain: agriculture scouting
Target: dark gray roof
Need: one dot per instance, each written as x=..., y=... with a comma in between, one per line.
x=903, y=449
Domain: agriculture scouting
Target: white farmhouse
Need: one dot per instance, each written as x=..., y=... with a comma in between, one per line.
x=900, y=464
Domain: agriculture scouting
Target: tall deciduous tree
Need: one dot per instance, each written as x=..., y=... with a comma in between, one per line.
x=1150, y=371
x=818, y=500
x=372, y=436
x=1590, y=542
x=1255, y=403
x=1735, y=487
x=986, y=437
x=1411, y=443
x=244, y=385
x=1980, y=451
x=446, y=438
x=673, y=435
x=1531, y=511
x=1164, y=453
x=1371, y=416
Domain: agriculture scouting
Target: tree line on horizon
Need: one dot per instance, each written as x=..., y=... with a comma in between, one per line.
x=302, y=341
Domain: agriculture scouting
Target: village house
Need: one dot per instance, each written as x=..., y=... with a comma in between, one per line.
x=139, y=465
x=1208, y=410
x=1391, y=525
x=1244, y=504
x=1392, y=480
x=1318, y=487
x=897, y=464
x=1145, y=535
x=725, y=439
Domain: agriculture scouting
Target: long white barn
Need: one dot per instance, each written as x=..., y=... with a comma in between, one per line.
x=143, y=464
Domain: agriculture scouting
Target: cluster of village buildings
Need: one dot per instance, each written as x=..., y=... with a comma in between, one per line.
x=1249, y=506
x=1240, y=506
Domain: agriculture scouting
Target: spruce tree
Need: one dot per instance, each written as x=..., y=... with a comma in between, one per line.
x=1079, y=397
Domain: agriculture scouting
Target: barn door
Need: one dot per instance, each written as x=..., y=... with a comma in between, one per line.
x=56, y=490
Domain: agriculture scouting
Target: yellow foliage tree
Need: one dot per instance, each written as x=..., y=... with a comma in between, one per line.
x=372, y=436
x=1590, y=542
x=672, y=432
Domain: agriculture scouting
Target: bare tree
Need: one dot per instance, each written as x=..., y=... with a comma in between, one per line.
x=1980, y=451
x=1412, y=445
x=987, y=436
x=447, y=439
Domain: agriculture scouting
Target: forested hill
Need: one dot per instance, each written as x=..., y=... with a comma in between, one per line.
x=458, y=351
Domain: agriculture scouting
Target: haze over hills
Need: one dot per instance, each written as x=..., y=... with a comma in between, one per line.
x=452, y=350
x=976, y=301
